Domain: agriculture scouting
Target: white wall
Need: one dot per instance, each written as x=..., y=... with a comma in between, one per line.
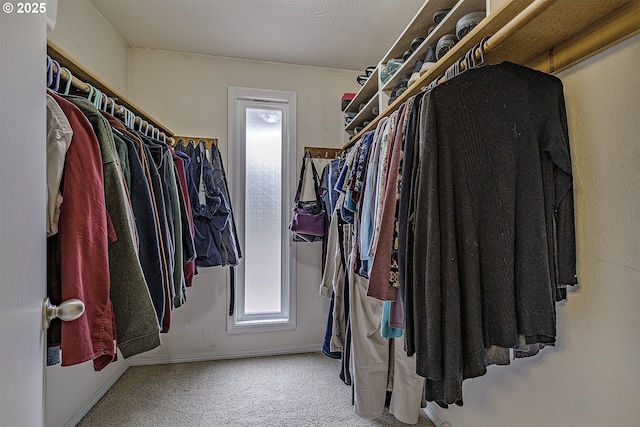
x=189, y=93
x=591, y=378
x=83, y=33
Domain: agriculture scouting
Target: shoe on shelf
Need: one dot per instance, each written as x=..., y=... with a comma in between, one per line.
x=429, y=60
x=415, y=43
x=384, y=74
x=393, y=65
x=440, y=15
x=394, y=94
x=445, y=44
x=404, y=81
x=416, y=72
x=468, y=23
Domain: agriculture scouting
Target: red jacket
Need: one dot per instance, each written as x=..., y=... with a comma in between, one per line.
x=85, y=231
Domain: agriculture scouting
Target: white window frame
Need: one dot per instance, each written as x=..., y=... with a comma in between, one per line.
x=238, y=99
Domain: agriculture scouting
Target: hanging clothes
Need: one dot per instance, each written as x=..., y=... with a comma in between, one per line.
x=381, y=267
x=135, y=318
x=143, y=207
x=216, y=241
x=464, y=234
x=405, y=221
x=124, y=240
x=495, y=206
x=59, y=135
x=189, y=254
x=84, y=235
x=229, y=233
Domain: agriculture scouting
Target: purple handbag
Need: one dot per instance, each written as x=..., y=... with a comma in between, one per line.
x=308, y=222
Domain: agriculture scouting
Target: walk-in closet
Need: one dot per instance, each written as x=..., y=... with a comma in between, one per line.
x=324, y=212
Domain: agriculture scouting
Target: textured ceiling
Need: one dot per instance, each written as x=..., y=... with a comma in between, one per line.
x=344, y=34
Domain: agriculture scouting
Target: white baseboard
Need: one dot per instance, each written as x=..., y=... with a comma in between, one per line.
x=237, y=354
x=82, y=411
x=431, y=414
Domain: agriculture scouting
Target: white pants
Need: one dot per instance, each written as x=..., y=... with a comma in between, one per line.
x=371, y=369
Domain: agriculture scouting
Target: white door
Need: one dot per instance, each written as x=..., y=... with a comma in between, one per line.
x=22, y=216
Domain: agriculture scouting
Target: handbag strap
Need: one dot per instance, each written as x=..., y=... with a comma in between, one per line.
x=316, y=179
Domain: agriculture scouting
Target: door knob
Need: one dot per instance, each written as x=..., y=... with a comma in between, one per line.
x=69, y=310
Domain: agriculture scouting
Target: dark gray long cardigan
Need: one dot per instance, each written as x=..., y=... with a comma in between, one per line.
x=494, y=241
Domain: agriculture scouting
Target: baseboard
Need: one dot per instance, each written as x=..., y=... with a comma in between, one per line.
x=435, y=419
x=82, y=411
x=238, y=354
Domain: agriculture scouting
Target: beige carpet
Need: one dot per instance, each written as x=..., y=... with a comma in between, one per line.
x=291, y=390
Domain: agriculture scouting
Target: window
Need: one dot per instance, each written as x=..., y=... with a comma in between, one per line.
x=262, y=152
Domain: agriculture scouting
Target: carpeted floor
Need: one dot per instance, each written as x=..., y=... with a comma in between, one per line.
x=291, y=390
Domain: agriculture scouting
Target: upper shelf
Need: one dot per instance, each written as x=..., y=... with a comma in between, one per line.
x=447, y=26
x=365, y=93
x=562, y=34
x=419, y=26
x=560, y=22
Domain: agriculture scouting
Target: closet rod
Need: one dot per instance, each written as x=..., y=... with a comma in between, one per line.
x=119, y=109
x=66, y=62
x=612, y=29
x=513, y=26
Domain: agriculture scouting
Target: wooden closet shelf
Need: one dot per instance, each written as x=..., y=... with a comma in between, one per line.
x=81, y=73
x=560, y=34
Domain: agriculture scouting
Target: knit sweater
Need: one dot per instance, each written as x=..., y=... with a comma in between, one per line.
x=494, y=199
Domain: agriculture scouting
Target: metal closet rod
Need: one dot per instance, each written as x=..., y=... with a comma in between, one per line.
x=513, y=26
x=119, y=109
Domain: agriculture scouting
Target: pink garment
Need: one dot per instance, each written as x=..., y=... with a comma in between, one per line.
x=85, y=231
x=380, y=270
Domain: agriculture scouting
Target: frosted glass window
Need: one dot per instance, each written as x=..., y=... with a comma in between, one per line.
x=262, y=158
x=263, y=211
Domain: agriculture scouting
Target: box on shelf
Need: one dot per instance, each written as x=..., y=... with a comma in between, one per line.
x=346, y=99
